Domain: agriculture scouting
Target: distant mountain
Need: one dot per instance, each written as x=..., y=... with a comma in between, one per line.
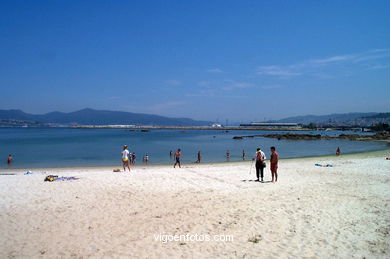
x=379, y=116
x=362, y=119
x=100, y=117
x=326, y=118
x=15, y=115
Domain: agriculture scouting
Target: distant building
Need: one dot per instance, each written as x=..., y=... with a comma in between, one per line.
x=271, y=125
x=216, y=125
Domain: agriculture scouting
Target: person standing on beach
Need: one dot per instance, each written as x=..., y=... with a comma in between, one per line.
x=199, y=157
x=260, y=158
x=130, y=158
x=177, y=158
x=125, y=158
x=274, y=164
x=146, y=159
x=9, y=160
x=133, y=157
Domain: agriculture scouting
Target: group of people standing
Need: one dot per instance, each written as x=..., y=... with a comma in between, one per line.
x=260, y=164
x=259, y=158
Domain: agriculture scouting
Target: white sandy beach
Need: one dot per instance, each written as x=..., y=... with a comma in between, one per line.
x=312, y=212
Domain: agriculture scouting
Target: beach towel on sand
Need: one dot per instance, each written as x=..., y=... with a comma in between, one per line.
x=52, y=178
x=65, y=178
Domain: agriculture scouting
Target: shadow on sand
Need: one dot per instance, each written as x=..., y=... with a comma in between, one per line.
x=255, y=181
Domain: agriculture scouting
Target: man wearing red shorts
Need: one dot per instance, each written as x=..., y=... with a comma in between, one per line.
x=274, y=164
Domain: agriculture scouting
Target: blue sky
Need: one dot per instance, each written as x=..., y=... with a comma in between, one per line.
x=236, y=60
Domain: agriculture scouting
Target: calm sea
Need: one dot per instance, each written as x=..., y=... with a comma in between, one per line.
x=62, y=147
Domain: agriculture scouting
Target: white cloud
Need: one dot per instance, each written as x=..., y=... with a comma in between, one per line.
x=375, y=67
x=266, y=87
x=334, y=59
x=276, y=71
x=204, y=83
x=231, y=85
x=173, y=82
x=357, y=57
x=214, y=70
x=316, y=67
x=373, y=56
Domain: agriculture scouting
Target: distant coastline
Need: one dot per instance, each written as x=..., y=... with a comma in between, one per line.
x=185, y=128
x=294, y=136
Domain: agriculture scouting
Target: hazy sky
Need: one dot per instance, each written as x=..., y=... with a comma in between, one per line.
x=236, y=60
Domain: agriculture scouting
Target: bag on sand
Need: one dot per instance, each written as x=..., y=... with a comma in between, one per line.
x=50, y=178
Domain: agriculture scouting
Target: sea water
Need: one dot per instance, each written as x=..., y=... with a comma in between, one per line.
x=66, y=147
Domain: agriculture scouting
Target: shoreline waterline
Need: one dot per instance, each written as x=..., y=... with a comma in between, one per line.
x=374, y=153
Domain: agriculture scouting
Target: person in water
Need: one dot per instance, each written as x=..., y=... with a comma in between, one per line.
x=274, y=164
x=228, y=155
x=9, y=160
x=260, y=158
x=125, y=158
x=338, y=152
x=243, y=154
x=177, y=158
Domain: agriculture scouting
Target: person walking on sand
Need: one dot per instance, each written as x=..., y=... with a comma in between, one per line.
x=338, y=151
x=125, y=158
x=199, y=157
x=177, y=158
x=274, y=164
x=260, y=158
